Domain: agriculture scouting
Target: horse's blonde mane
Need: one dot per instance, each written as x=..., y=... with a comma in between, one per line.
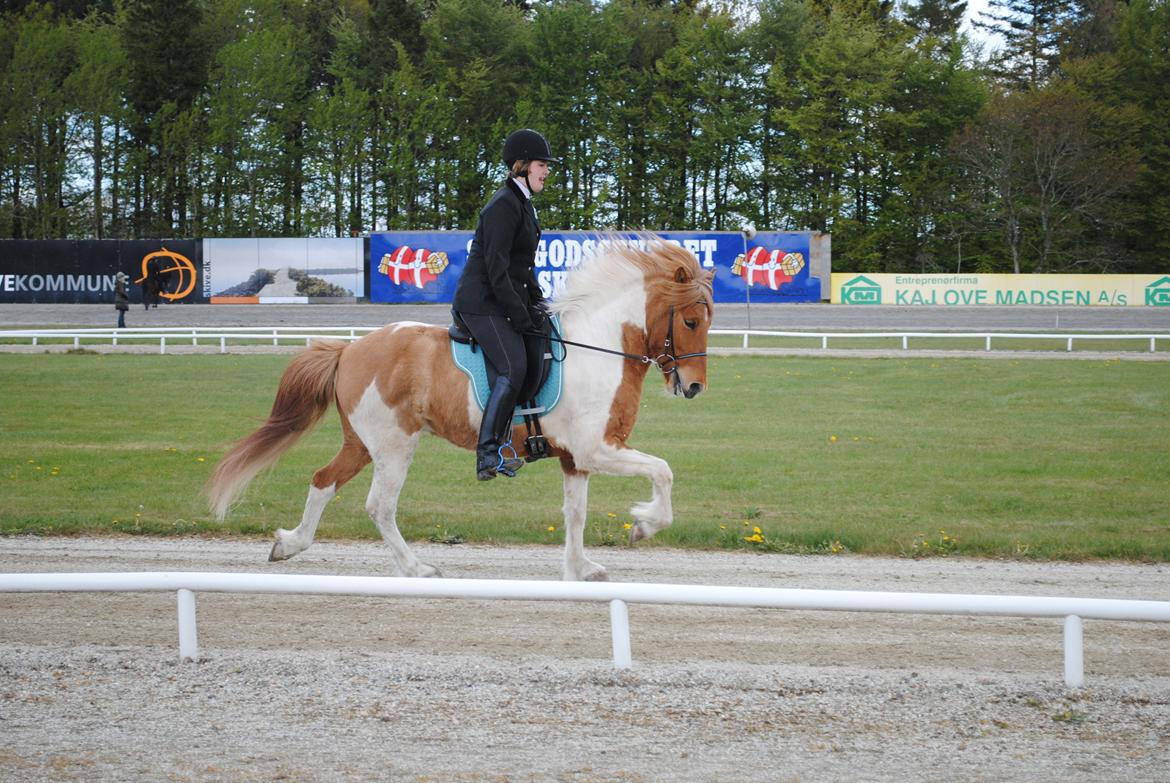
x=618, y=265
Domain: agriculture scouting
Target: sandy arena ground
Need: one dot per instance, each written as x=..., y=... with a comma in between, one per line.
x=313, y=688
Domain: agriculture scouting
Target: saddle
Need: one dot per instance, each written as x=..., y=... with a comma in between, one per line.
x=542, y=386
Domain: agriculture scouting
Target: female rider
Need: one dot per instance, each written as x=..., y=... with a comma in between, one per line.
x=498, y=299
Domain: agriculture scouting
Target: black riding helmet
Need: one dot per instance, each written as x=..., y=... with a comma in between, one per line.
x=527, y=144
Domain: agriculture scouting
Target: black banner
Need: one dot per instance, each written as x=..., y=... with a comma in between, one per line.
x=82, y=271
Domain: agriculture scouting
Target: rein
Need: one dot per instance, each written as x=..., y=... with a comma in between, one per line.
x=662, y=361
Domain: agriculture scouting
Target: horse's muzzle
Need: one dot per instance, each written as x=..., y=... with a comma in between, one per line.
x=690, y=391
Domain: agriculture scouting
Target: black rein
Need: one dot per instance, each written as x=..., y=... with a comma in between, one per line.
x=662, y=361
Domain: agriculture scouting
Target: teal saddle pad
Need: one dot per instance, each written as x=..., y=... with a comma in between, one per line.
x=547, y=397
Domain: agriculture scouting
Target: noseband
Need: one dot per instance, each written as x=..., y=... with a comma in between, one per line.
x=662, y=361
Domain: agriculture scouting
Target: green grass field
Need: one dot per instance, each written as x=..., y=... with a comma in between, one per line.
x=908, y=456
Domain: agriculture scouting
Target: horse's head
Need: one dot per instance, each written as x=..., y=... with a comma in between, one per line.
x=679, y=307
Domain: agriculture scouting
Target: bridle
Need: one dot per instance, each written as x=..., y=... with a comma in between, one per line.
x=662, y=361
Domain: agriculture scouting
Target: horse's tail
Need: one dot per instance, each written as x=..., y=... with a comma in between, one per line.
x=306, y=391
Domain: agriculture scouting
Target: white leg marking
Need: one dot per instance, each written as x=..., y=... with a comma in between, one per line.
x=391, y=449
x=578, y=568
x=655, y=514
x=291, y=542
x=382, y=505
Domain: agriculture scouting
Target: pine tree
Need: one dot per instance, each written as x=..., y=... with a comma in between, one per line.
x=938, y=18
x=1033, y=32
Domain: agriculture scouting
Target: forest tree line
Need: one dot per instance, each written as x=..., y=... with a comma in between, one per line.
x=917, y=147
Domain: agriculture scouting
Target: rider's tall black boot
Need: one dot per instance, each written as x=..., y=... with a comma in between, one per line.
x=495, y=434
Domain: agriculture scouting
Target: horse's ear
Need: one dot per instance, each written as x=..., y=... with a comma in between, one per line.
x=682, y=275
x=710, y=277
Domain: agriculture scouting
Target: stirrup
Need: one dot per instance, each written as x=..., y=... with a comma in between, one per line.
x=508, y=465
x=536, y=446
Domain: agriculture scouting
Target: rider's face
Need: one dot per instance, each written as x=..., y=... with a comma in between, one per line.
x=537, y=173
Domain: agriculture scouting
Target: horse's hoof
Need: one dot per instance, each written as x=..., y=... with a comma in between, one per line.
x=636, y=534
x=597, y=576
x=277, y=554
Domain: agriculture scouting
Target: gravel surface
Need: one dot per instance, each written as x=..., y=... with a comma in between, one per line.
x=317, y=688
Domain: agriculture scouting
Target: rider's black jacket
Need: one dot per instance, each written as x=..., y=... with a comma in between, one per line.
x=499, y=277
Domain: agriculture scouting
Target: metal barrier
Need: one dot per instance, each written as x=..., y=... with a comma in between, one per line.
x=618, y=595
x=277, y=335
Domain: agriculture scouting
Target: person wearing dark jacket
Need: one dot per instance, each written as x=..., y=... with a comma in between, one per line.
x=498, y=299
x=121, y=297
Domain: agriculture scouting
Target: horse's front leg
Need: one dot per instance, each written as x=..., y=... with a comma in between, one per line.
x=655, y=514
x=578, y=568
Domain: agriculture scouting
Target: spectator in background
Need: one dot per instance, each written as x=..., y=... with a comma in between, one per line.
x=121, y=297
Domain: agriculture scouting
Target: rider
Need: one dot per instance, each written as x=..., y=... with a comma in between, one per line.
x=498, y=299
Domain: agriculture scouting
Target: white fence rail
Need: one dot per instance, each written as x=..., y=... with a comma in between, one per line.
x=289, y=335
x=617, y=595
x=1150, y=340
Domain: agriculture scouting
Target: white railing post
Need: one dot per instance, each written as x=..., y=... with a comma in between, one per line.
x=188, y=632
x=619, y=620
x=745, y=339
x=162, y=344
x=987, y=343
x=1074, y=652
x=1070, y=343
x=223, y=345
x=905, y=342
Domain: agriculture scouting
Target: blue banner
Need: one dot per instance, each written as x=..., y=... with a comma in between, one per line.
x=424, y=266
x=775, y=267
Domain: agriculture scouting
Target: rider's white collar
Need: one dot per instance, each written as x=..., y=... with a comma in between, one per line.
x=523, y=187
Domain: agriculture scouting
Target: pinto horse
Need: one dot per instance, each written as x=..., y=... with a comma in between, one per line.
x=621, y=311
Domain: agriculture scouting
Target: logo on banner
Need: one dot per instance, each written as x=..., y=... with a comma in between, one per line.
x=1158, y=293
x=773, y=269
x=174, y=272
x=861, y=291
x=413, y=267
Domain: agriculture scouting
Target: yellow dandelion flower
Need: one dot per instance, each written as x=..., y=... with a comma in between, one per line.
x=832, y=439
x=551, y=528
x=201, y=459
x=627, y=526
x=757, y=531
x=611, y=515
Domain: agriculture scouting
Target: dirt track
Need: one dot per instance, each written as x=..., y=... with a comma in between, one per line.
x=323, y=688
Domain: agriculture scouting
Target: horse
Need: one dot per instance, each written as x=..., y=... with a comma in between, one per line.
x=625, y=308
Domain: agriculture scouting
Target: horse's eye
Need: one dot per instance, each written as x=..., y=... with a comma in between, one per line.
x=688, y=323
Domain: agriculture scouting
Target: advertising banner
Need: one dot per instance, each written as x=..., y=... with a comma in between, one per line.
x=1001, y=290
x=422, y=266
x=82, y=271
x=277, y=270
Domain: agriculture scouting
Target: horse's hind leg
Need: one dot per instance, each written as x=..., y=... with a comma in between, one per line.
x=348, y=463
x=391, y=463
